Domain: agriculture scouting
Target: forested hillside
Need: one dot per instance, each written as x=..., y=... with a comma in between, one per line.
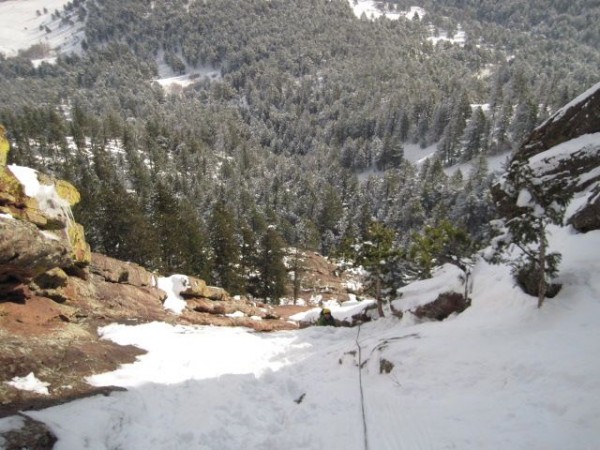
x=300, y=139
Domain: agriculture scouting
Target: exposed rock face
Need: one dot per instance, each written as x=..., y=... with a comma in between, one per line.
x=116, y=271
x=318, y=279
x=26, y=252
x=579, y=117
x=59, y=227
x=35, y=237
x=588, y=218
x=565, y=148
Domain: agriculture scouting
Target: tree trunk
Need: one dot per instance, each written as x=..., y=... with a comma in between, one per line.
x=378, y=296
x=542, y=287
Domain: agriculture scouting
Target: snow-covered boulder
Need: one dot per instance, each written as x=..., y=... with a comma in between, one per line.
x=435, y=298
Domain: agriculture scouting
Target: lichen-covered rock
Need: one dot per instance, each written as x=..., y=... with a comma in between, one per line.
x=11, y=190
x=4, y=147
x=196, y=288
x=80, y=249
x=64, y=189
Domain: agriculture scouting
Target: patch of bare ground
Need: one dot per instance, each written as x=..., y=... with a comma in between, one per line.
x=62, y=356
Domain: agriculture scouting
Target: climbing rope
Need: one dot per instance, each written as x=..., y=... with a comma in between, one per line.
x=362, y=395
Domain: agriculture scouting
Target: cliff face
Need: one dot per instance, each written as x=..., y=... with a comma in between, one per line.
x=565, y=148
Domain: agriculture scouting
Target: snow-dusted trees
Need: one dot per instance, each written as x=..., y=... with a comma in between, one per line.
x=225, y=249
x=377, y=253
x=308, y=99
x=272, y=278
x=539, y=203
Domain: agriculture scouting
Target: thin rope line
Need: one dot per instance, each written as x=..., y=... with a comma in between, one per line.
x=362, y=395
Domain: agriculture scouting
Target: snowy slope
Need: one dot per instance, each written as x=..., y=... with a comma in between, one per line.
x=502, y=375
x=20, y=26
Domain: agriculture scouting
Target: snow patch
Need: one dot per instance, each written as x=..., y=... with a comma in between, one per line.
x=49, y=202
x=173, y=285
x=29, y=383
x=373, y=10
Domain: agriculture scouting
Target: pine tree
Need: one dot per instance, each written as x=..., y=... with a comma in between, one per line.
x=270, y=264
x=377, y=254
x=437, y=245
x=539, y=205
x=475, y=135
x=225, y=249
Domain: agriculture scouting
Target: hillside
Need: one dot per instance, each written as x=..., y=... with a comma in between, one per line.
x=178, y=165
x=511, y=371
x=297, y=122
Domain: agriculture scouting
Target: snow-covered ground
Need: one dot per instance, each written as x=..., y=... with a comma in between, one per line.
x=501, y=375
x=171, y=81
x=460, y=37
x=373, y=10
x=20, y=22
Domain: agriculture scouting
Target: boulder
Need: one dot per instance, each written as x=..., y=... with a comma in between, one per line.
x=215, y=293
x=443, y=306
x=26, y=252
x=196, y=289
x=32, y=434
x=229, y=306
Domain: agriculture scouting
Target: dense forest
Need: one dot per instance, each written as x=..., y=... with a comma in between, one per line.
x=300, y=138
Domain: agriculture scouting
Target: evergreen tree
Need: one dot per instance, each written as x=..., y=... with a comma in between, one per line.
x=225, y=249
x=475, y=135
x=270, y=264
x=437, y=245
x=378, y=254
x=540, y=204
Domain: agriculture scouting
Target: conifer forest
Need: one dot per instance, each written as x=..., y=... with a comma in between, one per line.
x=294, y=126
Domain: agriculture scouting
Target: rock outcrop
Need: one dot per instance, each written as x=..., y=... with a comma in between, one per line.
x=579, y=117
x=318, y=279
x=565, y=148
